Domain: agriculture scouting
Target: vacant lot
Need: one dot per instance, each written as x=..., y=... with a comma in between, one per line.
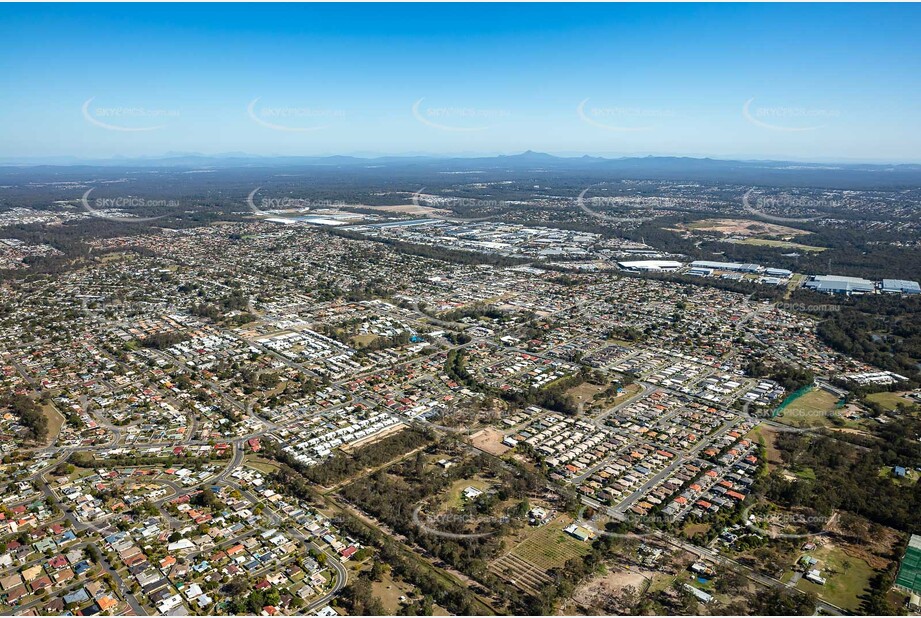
x=810, y=410
x=767, y=435
x=781, y=244
x=847, y=577
x=611, y=583
x=360, y=341
x=585, y=392
x=410, y=209
x=889, y=400
x=55, y=422
x=489, y=440
x=744, y=227
x=263, y=465
x=389, y=592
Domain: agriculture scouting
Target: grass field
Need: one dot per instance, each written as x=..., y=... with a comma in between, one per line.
x=455, y=495
x=810, y=409
x=585, y=392
x=847, y=578
x=264, y=466
x=888, y=400
x=629, y=391
x=389, y=592
x=692, y=529
x=360, y=341
x=55, y=422
x=807, y=474
x=766, y=435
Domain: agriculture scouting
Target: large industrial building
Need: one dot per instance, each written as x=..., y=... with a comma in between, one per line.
x=650, y=265
x=732, y=266
x=900, y=286
x=837, y=284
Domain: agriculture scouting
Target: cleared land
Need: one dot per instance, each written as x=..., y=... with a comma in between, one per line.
x=847, y=577
x=611, y=583
x=263, y=465
x=55, y=422
x=781, y=244
x=744, y=227
x=360, y=341
x=889, y=400
x=489, y=440
x=764, y=434
x=585, y=392
x=408, y=209
x=811, y=409
x=389, y=592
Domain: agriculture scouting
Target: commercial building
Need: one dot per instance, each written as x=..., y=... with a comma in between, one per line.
x=650, y=265
x=732, y=266
x=837, y=284
x=900, y=286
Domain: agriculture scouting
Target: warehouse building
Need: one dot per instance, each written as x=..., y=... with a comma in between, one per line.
x=650, y=265
x=837, y=284
x=778, y=272
x=733, y=266
x=900, y=286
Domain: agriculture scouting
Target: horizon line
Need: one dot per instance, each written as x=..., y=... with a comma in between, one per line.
x=75, y=160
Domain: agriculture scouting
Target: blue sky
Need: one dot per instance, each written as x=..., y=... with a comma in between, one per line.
x=823, y=82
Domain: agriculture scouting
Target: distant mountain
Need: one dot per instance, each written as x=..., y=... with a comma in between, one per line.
x=530, y=165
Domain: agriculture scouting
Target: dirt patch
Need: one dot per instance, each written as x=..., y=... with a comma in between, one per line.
x=489, y=440
x=409, y=209
x=743, y=227
x=594, y=591
x=585, y=392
